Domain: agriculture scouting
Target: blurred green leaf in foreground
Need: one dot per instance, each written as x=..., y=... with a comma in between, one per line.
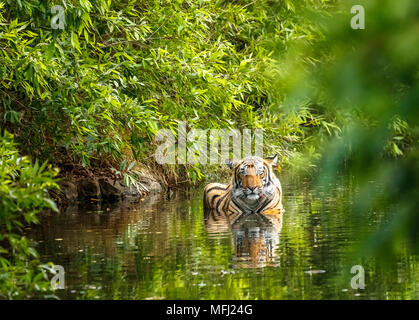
x=369, y=79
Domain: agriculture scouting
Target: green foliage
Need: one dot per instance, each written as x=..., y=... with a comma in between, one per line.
x=23, y=194
x=121, y=70
x=370, y=78
x=129, y=177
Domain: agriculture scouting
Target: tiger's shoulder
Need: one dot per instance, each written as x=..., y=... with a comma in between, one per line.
x=213, y=192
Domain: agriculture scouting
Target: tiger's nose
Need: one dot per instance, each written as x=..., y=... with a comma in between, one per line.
x=252, y=188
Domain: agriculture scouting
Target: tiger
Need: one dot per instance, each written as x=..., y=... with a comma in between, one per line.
x=254, y=188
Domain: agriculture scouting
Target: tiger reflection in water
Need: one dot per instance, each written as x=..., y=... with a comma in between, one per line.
x=250, y=206
x=255, y=237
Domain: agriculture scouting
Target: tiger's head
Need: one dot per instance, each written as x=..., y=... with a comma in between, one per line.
x=253, y=182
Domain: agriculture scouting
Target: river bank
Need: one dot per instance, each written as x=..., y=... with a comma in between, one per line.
x=133, y=181
x=102, y=184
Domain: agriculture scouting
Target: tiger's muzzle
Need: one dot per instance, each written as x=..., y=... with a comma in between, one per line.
x=252, y=187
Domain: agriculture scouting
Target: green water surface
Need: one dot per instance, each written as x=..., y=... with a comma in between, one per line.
x=161, y=248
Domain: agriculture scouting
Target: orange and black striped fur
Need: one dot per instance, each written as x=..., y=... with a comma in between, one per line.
x=254, y=188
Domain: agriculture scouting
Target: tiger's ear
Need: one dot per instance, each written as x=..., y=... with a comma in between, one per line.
x=272, y=160
x=231, y=163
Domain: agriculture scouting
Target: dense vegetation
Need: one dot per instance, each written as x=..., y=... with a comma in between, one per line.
x=96, y=93
x=373, y=83
x=121, y=70
x=23, y=194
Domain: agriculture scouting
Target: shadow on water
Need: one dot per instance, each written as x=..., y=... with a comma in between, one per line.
x=163, y=248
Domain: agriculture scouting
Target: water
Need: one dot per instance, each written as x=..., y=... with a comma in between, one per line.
x=162, y=249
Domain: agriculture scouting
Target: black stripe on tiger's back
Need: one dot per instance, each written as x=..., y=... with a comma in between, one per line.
x=213, y=199
x=224, y=207
x=213, y=215
x=217, y=188
x=220, y=200
x=268, y=173
x=236, y=175
x=228, y=205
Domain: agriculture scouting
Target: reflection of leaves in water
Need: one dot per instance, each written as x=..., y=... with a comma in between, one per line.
x=163, y=249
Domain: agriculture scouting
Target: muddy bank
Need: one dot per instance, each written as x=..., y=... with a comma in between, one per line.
x=100, y=182
x=103, y=186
